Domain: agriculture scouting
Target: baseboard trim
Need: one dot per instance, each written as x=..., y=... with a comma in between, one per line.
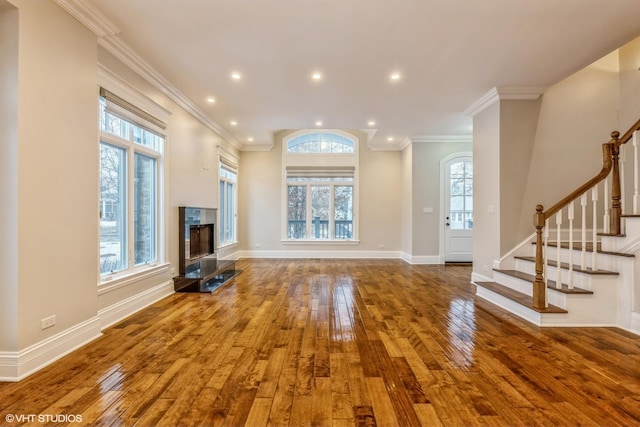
x=122, y=309
x=15, y=366
x=421, y=259
x=319, y=254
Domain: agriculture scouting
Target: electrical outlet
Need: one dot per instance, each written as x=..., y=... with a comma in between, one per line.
x=48, y=322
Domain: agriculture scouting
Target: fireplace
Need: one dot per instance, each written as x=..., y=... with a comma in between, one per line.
x=197, y=235
x=200, y=270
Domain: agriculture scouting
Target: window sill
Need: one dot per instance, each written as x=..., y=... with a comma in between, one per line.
x=109, y=283
x=320, y=242
x=227, y=245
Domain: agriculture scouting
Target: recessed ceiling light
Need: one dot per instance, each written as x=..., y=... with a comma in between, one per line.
x=390, y=139
x=395, y=76
x=236, y=75
x=233, y=123
x=316, y=76
x=211, y=100
x=371, y=123
x=250, y=139
x=318, y=123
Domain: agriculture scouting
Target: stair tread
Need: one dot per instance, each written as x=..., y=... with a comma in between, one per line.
x=589, y=248
x=519, y=297
x=630, y=216
x=551, y=284
x=565, y=266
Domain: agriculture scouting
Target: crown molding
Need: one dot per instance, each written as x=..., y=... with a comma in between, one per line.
x=131, y=59
x=397, y=146
x=511, y=93
x=88, y=15
x=442, y=138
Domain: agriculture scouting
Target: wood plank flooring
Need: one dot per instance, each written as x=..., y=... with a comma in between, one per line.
x=338, y=343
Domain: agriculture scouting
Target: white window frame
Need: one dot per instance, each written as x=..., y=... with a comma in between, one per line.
x=317, y=163
x=229, y=162
x=117, y=86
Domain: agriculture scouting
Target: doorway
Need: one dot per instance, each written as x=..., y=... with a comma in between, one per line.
x=456, y=244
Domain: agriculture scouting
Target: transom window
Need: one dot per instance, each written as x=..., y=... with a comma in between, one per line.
x=320, y=142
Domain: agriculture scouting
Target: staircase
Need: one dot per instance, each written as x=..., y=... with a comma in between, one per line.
x=578, y=268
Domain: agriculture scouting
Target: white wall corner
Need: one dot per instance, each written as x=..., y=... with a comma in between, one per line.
x=15, y=366
x=504, y=93
x=477, y=277
x=496, y=264
x=89, y=16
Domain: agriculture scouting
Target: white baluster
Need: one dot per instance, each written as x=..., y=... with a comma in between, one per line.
x=636, y=191
x=544, y=255
x=594, y=231
x=558, y=260
x=583, y=254
x=623, y=197
x=607, y=218
x=570, y=216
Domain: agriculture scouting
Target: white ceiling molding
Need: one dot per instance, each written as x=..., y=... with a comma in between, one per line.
x=442, y=138
x=390, y=146
x=93, y=19
x=504, y=93
x=89, y=16
x=115, y=84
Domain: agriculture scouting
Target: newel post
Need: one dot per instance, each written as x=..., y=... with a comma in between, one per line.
x=616, y=194
x=539, y=288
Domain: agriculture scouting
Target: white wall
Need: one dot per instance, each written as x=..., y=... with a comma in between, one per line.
x=8, y=177
x=57, y=171
x=425, y=193
x=260, y=204
x=407, y=201
x=486, y=189
x=577, y=116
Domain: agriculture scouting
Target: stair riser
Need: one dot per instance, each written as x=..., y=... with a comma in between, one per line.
x=513, y=283
x=603, y=261
x=631, y=228
x=581, y=280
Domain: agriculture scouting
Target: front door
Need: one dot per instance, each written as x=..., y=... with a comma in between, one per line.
x=458, y=209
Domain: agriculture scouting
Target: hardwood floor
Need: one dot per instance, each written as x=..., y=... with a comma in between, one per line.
x=338, y=343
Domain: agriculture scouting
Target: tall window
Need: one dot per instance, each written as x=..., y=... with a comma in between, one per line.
x=320, y=187
x=228, y=188
x=131, y=144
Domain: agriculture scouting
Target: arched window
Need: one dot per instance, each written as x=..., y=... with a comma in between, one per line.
x=320, y=142
x=320, y=186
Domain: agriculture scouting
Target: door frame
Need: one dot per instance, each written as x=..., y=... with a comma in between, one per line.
x=443, y=179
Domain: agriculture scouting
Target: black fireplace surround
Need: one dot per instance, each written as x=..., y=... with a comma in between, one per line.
x=200, y=270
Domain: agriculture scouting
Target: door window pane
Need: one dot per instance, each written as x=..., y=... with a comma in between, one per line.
x=461, y=195
x=144, y=215
x=113, y=224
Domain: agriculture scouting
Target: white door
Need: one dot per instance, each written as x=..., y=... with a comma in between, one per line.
x=458, y=209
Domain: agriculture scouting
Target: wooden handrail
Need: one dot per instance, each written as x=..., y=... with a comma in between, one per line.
x=607, y=163
x=628, y=134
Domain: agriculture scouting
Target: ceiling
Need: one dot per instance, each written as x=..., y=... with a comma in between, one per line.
x=448, y=54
